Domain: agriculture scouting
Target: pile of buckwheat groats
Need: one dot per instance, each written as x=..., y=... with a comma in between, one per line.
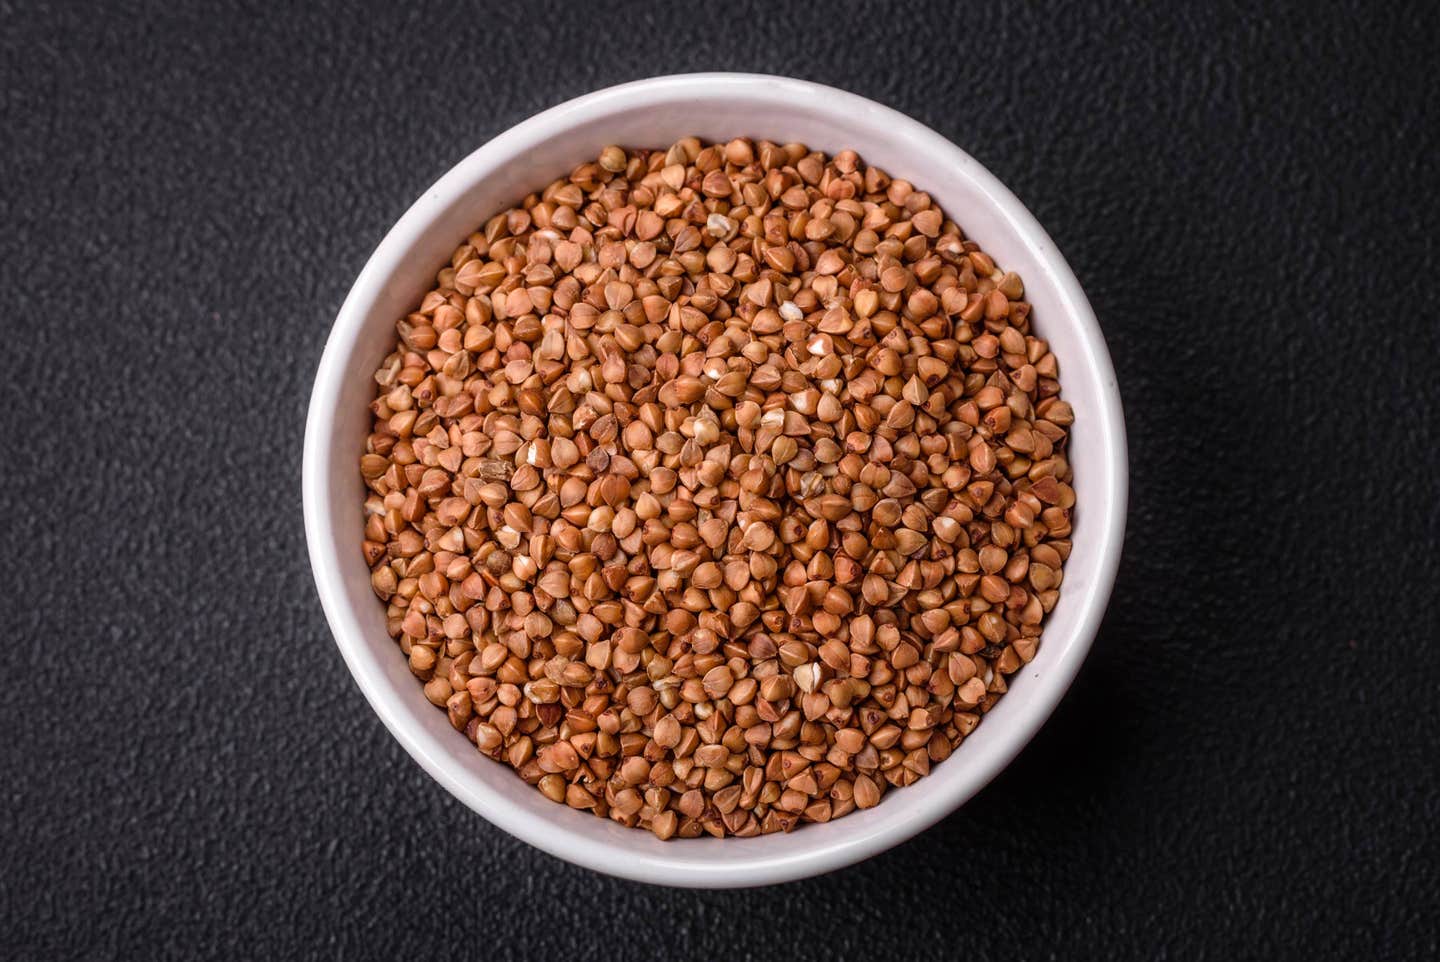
x=719, y=488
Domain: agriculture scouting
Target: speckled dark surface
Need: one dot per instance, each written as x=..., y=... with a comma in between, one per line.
x=1247, y=766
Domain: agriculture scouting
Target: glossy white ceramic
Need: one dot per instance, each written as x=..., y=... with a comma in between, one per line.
x=655, y=113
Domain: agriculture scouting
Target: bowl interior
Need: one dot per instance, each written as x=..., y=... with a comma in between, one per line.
x=655, y=113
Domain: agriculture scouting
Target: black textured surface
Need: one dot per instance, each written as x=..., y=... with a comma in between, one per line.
x=1247, y=766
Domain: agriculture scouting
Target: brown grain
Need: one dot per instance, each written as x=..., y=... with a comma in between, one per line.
x=718, y=489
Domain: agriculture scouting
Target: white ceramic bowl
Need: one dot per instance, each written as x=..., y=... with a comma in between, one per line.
x=657, y=112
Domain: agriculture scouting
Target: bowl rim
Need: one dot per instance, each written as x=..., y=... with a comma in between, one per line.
x=1105, y=507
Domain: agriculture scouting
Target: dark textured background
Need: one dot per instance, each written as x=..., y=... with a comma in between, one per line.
x=1247, y=766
